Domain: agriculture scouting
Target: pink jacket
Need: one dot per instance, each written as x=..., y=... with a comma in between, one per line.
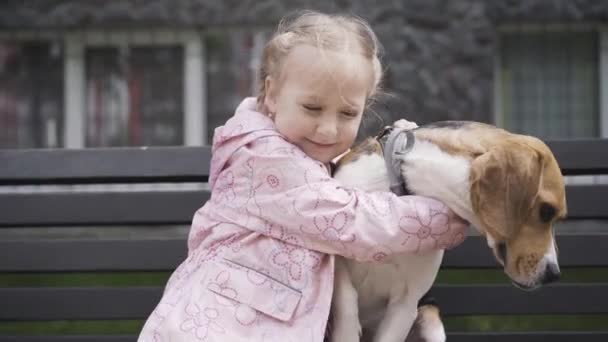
x=260, y=263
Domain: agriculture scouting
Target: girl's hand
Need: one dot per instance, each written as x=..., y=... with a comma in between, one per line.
x=402, y=123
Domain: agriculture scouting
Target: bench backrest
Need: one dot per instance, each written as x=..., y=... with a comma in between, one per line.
x=114, y=201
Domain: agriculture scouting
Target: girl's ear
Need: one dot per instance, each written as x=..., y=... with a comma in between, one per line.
x=270, y=101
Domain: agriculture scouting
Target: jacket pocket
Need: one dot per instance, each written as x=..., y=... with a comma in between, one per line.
x=242, y=284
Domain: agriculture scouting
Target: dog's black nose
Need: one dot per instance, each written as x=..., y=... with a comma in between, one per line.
x=552, y=274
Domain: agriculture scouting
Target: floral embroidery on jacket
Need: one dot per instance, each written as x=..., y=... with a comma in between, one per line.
x=199, y=322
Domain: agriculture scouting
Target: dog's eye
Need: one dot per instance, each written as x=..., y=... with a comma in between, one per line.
x=547, y=212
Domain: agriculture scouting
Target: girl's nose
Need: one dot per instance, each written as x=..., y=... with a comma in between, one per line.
x=327, y=128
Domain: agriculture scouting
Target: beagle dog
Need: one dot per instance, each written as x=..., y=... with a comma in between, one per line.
x=508, y=186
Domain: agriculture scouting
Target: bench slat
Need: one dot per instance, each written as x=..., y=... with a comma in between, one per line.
x=56, y=303
x=552, y=336
x=103, y=165
x=581, y=156
x=192, y=163
x=587, y=201
x=67, y=338
x=91, y=255
x=138, y=302
x=474, y=252
x=161, y=207
x=506, y=299
x=100, y=208
x=143, y=255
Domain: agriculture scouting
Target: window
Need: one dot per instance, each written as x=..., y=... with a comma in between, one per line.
x=137, y=88
x=552, y=82
x=549, y=83
x=134, y=96
x=31, y=94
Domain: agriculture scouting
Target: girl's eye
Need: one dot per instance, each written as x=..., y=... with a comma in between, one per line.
x=312, y=108
x=349, y=114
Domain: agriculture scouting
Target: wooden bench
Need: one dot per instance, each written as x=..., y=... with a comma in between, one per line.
x=24, y=203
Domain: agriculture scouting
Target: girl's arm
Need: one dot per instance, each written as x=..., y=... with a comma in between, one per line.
x=284, y=194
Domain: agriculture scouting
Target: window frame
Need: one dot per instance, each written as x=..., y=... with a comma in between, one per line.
x=603, y=67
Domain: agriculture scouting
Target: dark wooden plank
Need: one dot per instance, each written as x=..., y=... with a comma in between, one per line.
x=69, y=338
x=506, y=299
x=102, y=208
x=552, y=336
x=157, y=207
x=78, y=303
x=142, y=255
x=557, y=336
x=575, y=250
x=581, y=156
x=91, y=255
x=138, y=302
x=587, y=201
x=104, y=165
x=541, y=336
x=584, y=156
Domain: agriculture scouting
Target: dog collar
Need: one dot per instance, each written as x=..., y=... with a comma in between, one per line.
x=397, y=144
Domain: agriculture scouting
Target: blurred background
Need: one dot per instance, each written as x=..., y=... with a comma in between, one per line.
x=87, y=74
x=128, y=73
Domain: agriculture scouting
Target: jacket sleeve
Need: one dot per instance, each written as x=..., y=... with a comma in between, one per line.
x=282, y=193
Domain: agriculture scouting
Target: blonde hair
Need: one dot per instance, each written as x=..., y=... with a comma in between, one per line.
x=324, y=31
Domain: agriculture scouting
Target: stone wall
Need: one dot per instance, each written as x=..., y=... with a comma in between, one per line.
x=439, y=54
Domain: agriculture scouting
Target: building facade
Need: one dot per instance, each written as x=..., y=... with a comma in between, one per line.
x=80, y=74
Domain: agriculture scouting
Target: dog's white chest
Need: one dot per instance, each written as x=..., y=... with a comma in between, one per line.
x=401, y=275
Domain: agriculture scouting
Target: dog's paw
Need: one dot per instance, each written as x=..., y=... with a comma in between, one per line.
x=404, y=124
x=428, y=326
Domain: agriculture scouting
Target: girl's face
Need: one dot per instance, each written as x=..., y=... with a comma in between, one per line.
x=319, y=100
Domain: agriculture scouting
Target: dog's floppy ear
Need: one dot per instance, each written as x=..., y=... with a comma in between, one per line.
x=504, y=183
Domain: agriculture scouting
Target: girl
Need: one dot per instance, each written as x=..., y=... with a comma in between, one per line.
x=260, y=262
